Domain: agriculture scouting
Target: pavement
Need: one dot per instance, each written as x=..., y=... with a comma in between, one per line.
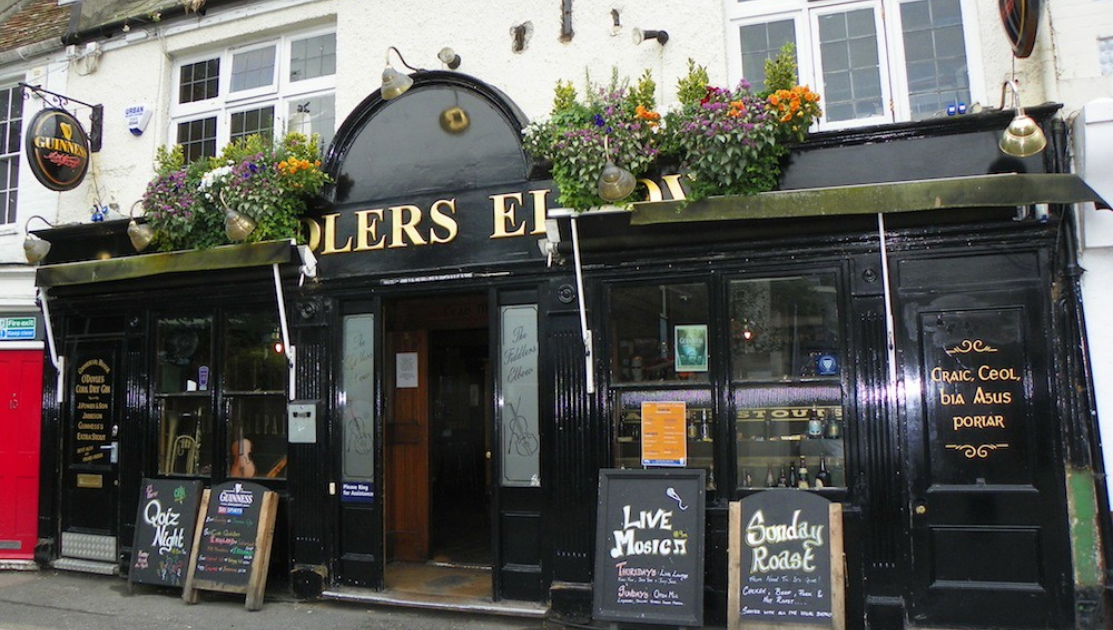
x=59, y=600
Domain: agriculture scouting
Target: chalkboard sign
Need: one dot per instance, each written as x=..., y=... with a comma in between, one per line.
x=649, y=547
x=164, y=528
x=231, y=549
x=786, y=567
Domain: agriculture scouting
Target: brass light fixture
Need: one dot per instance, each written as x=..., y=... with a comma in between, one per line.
x=35, y=248
x=237, y=225
x=1023, y=137
x=395, y=83
x=615, y=183
x=139, y=234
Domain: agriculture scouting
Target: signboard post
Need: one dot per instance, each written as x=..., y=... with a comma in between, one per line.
x=232, y=545
x=786, y=562
x=164, y=529
x=649, y=547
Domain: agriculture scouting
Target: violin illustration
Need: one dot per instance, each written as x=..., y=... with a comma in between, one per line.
x=242, y=464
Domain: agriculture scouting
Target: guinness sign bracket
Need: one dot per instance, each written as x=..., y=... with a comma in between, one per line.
x=96, y=115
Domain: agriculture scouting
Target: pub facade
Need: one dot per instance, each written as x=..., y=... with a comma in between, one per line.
x=435, y=374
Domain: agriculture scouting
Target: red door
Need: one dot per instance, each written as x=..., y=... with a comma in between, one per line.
x=21, y=374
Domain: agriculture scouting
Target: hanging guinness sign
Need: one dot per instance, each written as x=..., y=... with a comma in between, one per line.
x=57, y=149
x=1020, y=18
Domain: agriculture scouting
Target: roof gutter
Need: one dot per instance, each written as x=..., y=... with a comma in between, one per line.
x=172, y=11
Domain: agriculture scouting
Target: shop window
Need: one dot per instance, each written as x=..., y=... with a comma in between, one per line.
x=665, y=428
x=183, y=369
x=256, y=89
x=872, y=61
x=250, y=432
x=659, y=333
x=11, y=131
x=255, y=376
x=786, y=388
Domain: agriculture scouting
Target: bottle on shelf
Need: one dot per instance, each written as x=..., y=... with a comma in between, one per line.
x=692, y=431
x=747, y=479
x=793, y=478
x=711, y=477
x=768, y=427
x=802, y=479
x=782, y=481
x=834, y=431
x=769, y=480
x=704, y=426
x=823, y=477
x=815, y=424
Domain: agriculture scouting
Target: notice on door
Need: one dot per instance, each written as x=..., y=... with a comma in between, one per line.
x=664, y=442
x=92, y=412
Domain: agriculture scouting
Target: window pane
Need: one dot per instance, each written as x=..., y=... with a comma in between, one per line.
x=647, y=323
x=935, y=48
x=198, y=138
x=357, y=378
x=253, y=69
x=257, y=436
x=650, y=423
x=11, y=107
x=313, y=57
x=784, y=328
x=253, y=357
x=184, y=354
x=761, y=42
x=252, y=122
x=199, y=81
x=320, y=119
x=849, y=40
x=185, y=436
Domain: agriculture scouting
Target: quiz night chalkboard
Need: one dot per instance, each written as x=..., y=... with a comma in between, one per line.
x=786, y=565
x=164, y=528
x=232, y=545
x=649, y=547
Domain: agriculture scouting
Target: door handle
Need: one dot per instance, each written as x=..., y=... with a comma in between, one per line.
x=113, y=452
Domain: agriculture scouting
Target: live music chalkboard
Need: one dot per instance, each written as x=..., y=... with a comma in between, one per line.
x=649, y=547
x=232, y=545
x=786, y=565
x=164, y=528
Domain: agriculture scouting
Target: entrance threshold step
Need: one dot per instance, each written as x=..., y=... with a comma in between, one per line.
x=432, y=602
x=18, y=565
x=85, y=566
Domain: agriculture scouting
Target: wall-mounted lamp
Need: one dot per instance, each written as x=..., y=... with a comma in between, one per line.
x=35, y=248
x=615, y=183
x=640, y=36
x=140, y=235
x=395, y=83
x=1023, y=137
x=300, y=120
x=237, y=225
x=449, y=58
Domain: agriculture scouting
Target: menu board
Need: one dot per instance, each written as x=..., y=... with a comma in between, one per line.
x=92, y=401
x=664, y=442
x=232, y=544
x=786, y=565
x=164, y=528
x=649, y=547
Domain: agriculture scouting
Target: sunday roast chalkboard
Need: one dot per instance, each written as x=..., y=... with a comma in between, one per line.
x=164, y=527
x=232, y=546
x=649, y=547
x=786, y=566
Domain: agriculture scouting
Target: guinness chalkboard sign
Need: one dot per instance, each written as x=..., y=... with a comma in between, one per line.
x=164, y=528
x=649, y=547
x=786, y=564
x=232, y=546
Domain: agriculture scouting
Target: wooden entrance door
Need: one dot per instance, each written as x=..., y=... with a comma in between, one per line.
x=406, y=456
x=21, y=374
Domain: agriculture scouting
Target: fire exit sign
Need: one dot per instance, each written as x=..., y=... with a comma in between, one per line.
x=17, y=328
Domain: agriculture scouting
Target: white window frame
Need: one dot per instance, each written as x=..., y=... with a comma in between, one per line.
x=894, y=79
x=281, y=93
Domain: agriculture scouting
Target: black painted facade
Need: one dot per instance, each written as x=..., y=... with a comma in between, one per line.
x=917, y=533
